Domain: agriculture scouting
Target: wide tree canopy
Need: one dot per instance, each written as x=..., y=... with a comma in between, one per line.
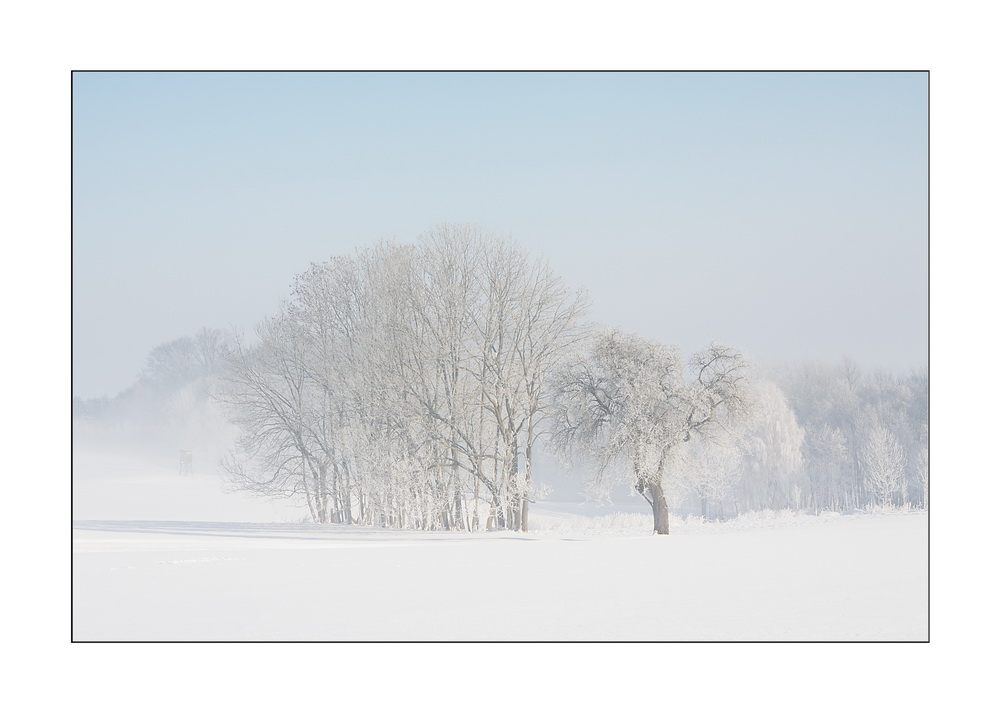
x=628, y=403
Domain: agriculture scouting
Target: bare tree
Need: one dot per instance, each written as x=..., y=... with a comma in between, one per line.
x=630, y=403
x=270, y=396
x=416, y=377
x=529, y=321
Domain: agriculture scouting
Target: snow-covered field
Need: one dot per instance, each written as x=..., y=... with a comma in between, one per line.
x=169, y=560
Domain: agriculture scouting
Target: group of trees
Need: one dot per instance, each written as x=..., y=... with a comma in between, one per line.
x=865, y=437
x=405, y=386
x=410, y=386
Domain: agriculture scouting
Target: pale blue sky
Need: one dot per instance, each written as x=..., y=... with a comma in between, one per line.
x=782, y=213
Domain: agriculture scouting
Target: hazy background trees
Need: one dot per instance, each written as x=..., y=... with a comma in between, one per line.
x=845, y=409
x=171, y=407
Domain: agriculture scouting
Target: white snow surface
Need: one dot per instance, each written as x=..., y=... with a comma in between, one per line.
x=164, y=562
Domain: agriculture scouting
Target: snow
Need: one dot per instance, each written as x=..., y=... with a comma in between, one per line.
x=585, y=573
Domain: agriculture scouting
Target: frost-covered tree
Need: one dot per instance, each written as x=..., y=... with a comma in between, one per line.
x=884, y=461
x=827, y=462
x=771, y=446
x=711, y=471
x=525, y=327
x=282, y=449
x=923, y=467
x=629, y=403
x=418, y=374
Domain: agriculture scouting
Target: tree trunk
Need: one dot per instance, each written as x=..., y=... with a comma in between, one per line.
x=661, y=525
x=475, y=507
x=348, y=502
x=457, y=516
x=496, y=517
x=527, y=476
